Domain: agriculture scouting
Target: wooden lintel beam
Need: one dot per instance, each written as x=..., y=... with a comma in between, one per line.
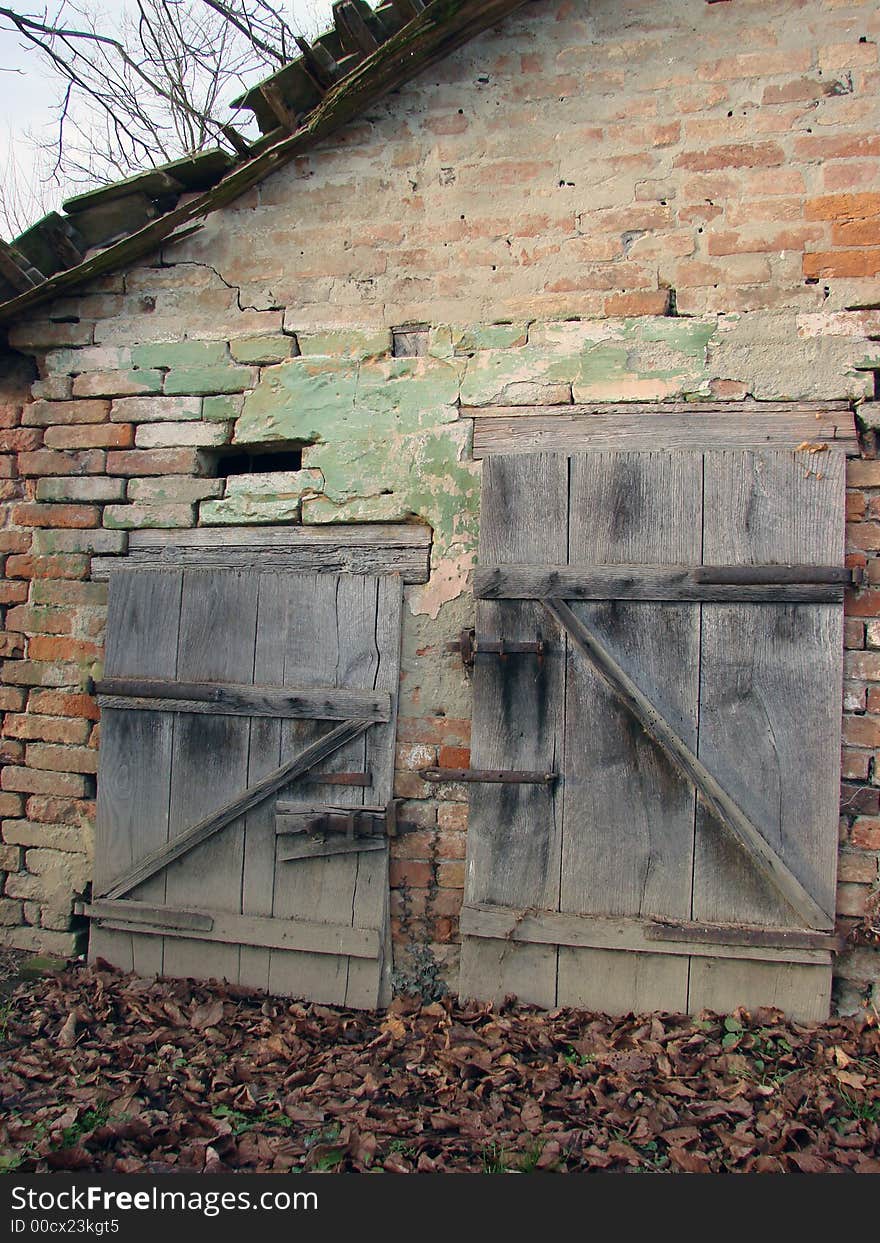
x=274, y=97
x=206, y=828
x=15, y=268
x=726, y=812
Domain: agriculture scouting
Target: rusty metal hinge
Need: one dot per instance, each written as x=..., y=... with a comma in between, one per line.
x=469, y=646
x=491, y=775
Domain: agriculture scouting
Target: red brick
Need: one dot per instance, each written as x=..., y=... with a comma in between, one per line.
x=415, y=846
x=61, y=565
x=451, y=845
x=864, y=535
x=44, y=755
x=62, y=703
x=11, y=804
x=15, y=541
x=851, y=899
x=11, y=643
x=56, y=516
x=866, y=833
x=60, y=647
x=12, y=698
x=861, y=731
x=12, y=593
x=34, y=728
x=41, y=620
x=454, y=757
x=856, y=506
x=42, y=781
x=854, y=765
x=865, y=603
x=155, y=462
x=859, y=800
x=20, y=440
x=732, y=155
x=58, y=462
x=452, y=816
x=840, y=207
x=644, y=302
x=11, y=751
x=97, y=436
x=51, y=810
x=853, y=633
x=410, y=872
x=863, y=473
x=65, y=413
x=851, y=263
x=451, y=875
x=435, y=730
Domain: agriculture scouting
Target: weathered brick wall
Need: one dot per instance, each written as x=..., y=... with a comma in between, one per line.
x=602, y=202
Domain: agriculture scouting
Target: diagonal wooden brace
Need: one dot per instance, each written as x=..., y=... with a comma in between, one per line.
x=194, y=836
x=728, y=813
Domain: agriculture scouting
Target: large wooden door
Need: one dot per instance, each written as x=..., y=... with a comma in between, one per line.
x=687, y=697
x=246, y=765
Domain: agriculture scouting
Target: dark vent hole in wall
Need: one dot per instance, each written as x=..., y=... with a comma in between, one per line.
x=239, y=461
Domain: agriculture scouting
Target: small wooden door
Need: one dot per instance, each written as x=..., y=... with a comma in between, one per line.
x=688, y=698
x=243, y=714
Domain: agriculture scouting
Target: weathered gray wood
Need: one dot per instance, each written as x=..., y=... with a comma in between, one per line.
x=654, y=409
x=514, y=836
x=726, y=813
x=628, y=830
x=567, y=432
x=770, y=719
x=134, y=763
x=160, y=917
x=320, y=703
x=218, y=622
x=195, y=836
x=363, y=548
x=291, y=935
x=290, y=850
x=645, y=582
x=801, y=991
x=608, y=934
x=741, y=934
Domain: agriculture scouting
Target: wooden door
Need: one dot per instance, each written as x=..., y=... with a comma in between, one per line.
x=688, y=698
x=246, y=764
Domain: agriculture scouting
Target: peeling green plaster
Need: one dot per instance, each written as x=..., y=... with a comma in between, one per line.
x=386, y=437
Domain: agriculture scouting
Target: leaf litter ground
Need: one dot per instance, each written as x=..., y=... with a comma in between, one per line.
x=107, y=1072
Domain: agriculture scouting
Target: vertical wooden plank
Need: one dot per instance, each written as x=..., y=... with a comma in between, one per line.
x=770, y=710
x=134, y=773
x=258, y=879
x=311, y=658
x=369, y=984
x=210, y=760
x=629, y=815
x=514, y=834
x=721, y=985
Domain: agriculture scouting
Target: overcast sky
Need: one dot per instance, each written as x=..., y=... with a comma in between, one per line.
x=28, y=88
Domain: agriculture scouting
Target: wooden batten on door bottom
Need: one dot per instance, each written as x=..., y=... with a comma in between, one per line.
x=635, y=935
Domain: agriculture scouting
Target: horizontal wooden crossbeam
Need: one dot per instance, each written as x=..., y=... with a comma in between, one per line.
x=321, y=703
x=726, y=811
x=757, y=584
x=200, y=832
x=643, y=935
x=233, y=929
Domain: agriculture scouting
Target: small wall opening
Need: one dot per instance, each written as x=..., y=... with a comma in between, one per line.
x=255, y=460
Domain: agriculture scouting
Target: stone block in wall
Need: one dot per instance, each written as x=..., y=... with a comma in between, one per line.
x=156, y=462
x=351, y=343
x=275, y=485
x=173, y=435
x=144, y=517
x=95, y=488
x=90, y=436
x=261, y=351
x=62, y=462
x=62, y=413
x=207, y=380
x=61, y=837
x=222, y=407
x=173, y=490
x=95, y=542
x=489, y=337
x=171, y=354
x=117, y=383
x=53, y=388
x=44, y=781
x=42, y=334
x=154, y=409
x=246, y=509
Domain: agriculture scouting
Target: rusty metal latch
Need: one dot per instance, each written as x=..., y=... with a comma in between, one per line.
x=470, y=647
x=491, y=775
